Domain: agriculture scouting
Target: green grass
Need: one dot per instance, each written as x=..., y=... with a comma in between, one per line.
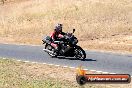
x=14, y=75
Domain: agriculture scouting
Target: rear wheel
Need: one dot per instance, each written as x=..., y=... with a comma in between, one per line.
x=49, y=47
x=80, y=53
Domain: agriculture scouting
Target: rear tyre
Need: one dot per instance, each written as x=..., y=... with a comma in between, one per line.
x=79, y=53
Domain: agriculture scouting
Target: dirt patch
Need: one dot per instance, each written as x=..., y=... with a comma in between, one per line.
x=100, y=24
x=120, y=44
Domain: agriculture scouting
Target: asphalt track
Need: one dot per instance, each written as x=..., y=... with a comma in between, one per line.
x=99, y=61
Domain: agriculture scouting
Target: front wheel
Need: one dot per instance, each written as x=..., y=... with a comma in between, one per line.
x=79, y=53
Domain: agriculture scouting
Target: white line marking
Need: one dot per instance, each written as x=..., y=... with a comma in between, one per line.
x=112, y=73
x=105, y=72
x=26, y=61
x=65, y=66
x=19, y=60
x=98, y=71
x=43, y=63
x=50, y=64
x=34, y=62
x=57, y=65
x=92, y=70
x=85, y=69
x=71, y=67
x=4, y=58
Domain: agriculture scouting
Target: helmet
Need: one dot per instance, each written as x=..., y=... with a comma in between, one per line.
x=58, y=28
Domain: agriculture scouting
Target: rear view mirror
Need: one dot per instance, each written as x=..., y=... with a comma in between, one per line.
x=73, y=30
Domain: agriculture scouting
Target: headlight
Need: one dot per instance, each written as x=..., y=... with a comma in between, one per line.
x=75, y=41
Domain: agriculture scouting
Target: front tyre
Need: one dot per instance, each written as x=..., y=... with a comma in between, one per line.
x=79, y=53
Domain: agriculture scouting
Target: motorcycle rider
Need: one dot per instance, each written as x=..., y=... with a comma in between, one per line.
x=56, y=36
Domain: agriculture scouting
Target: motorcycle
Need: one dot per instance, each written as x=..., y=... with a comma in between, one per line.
x=68, y=47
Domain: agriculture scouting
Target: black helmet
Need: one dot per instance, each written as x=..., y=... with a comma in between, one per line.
x=58, y=27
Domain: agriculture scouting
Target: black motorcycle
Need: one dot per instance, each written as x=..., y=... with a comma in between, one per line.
x=67, y=47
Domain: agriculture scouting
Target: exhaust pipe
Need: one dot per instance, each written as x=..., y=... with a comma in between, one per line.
x=48, y=51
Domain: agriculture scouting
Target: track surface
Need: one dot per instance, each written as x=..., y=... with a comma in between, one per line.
x=106, y=62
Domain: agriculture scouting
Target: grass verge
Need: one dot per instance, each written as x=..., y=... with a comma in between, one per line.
x=14, y=74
